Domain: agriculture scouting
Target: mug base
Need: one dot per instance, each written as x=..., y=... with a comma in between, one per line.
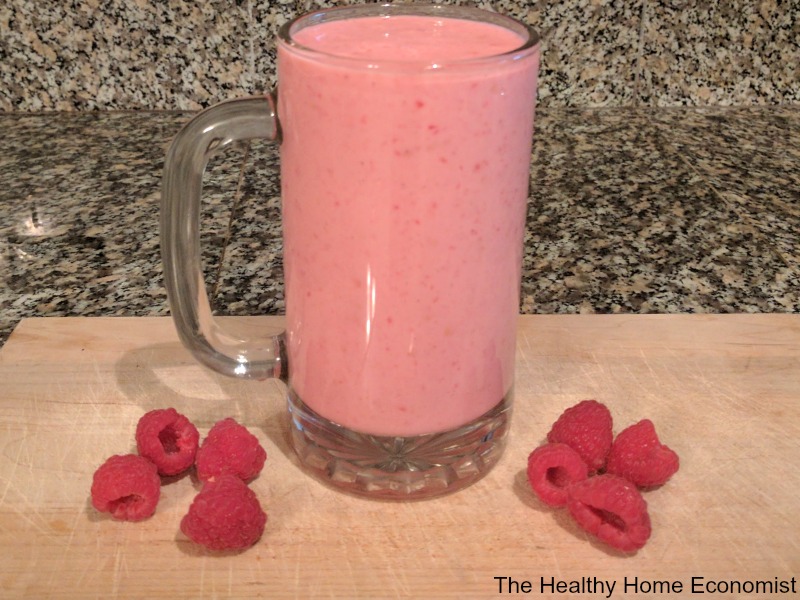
x=398, y=468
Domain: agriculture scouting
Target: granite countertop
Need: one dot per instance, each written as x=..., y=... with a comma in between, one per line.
x=633, y=210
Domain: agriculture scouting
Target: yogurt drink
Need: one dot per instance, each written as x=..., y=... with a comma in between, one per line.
x=405, y=163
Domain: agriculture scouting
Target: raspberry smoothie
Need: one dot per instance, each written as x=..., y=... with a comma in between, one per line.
x=405, y=167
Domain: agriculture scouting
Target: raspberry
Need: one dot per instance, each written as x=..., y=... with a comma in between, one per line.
x=552, y=468
x=612, y=509
x=639, y=456
x=127, y=486
x=587, y=429
x=168, y=439
x=225, y=515
x=230, y=448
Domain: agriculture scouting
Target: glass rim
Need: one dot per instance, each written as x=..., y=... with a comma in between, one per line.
x=531, y=37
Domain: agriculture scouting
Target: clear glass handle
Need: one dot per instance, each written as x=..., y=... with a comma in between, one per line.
x=244, y=353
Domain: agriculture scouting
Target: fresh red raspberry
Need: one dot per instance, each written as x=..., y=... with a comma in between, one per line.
x=639, y=456
x=225, y=515
x=127, y=486
x=587, y=429
x=168, y=439
x=230, y=448
x=552, y=468
x=612, y=509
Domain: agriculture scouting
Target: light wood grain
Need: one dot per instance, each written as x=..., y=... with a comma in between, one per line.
x=724, y=392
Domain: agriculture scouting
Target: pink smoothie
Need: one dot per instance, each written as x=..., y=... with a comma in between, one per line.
x=405, y=175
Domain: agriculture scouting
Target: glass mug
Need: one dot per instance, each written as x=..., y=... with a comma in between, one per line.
x=405, y=138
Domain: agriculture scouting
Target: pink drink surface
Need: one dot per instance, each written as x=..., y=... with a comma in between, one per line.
x=404, y=200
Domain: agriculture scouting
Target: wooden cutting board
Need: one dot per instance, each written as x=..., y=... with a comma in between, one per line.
x=723, y=391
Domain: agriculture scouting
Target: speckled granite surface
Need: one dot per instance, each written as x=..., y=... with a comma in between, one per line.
x=632, y=210
x=148, y=54
x=667, y=211
x=719, y=53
